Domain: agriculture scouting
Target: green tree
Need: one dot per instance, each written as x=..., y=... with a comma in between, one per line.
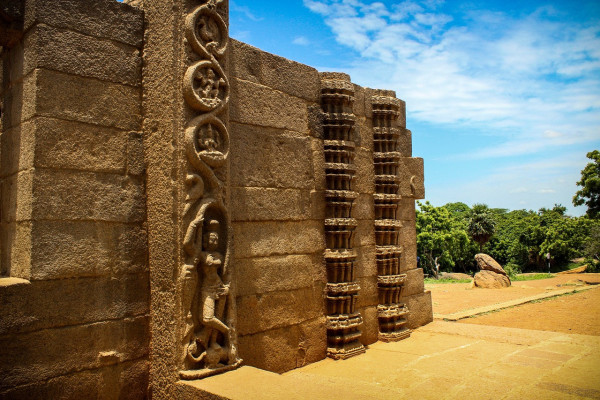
x=481, y=226
x=589, y=194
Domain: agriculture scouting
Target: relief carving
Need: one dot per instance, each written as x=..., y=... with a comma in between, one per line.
x=209, y=337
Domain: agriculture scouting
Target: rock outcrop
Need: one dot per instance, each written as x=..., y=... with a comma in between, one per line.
x=491, y=274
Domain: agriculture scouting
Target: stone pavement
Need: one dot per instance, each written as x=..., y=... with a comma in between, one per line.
x=443, y=360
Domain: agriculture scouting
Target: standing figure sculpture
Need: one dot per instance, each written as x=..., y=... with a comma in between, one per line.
x=208, y=346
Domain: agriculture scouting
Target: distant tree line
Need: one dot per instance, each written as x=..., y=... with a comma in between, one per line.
x=448, y=237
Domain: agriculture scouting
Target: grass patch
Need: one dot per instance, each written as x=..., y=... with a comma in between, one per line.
x=446, y=280
x=533, y=277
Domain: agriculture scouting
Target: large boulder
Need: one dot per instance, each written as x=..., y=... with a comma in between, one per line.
x=490, y=280
x=487, y=263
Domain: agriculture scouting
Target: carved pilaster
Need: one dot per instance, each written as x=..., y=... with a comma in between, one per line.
x=390, y=312
x=343, y=321
x=209, y=339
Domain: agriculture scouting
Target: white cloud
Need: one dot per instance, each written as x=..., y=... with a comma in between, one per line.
x=532, y=80
x=301, y=41
x=245, y=11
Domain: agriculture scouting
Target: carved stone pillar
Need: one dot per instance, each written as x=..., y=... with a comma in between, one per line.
x=208, y=344
x=343, y=321
x=390, y=312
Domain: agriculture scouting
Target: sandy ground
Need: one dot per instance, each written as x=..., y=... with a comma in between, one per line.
x=575, y=313
x=449, y=298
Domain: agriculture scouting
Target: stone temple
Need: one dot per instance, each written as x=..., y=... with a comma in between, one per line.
x=176, y=204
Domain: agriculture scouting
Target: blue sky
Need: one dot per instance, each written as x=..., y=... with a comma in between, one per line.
x=503, y=97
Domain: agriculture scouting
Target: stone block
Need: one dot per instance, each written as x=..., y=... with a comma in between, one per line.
x=15, y=239
x=364, y=181
x=259, y=105
x=269, y=158
x=370, y=326
x=406, y=211
x=405, y=143
x=412, y=173
x=318, y=158
x=368, y=294
x=317, y=204
x=414, y=283
x=66, y=302
x=262, y=312
x=363, y=133
x=259, y=239
x=280, y=350
x=408, y=241
x=420, y=309
x=49, y=353
x=66, y=249
x=17, y=197
x=245, y=61
x=290, y=77
x=102, y=18
x=17, y=149
x=135, y=154
x=64, y=144
x=82, y=99
x=278, y=273
x=75, y=195
x=364, y=207
x=264, y=204
x=364, y=234
x=358, y=107
x=78, y=54
x=366, y=264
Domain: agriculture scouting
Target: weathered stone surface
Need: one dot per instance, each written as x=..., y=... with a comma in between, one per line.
x=368, y=294
x=365, y=264
x=414, y=283
x=74, y=302
x=370, y=326
x=420, y=309
x=103, y=18
x=278, y=273
x=269, y=158
x=15, y=239
x=17, y=149
x=412, y=172
x=65, y=249
x=296, y=346
x=262, y=106
x=17, y=197
x=365, y=179
x=30, y=357
x=74, y=53
x=405, y=143
x=268, y=204
x=72, y=195
x=129, y=379
x=490, y=280
x=266, y=311
x=364, y=234
x=486, y=262
x=363, y=207
x=290, y=77
x=408, y=241
x=82, y=99
x=259, y=239
x=73, y=145
x=406, y=211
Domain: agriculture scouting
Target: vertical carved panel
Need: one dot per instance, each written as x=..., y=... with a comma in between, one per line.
x=343, y=321
x=390, y=312
x=208, y=334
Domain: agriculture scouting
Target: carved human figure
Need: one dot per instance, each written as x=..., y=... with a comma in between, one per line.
x=209, y=83
x=209, y=139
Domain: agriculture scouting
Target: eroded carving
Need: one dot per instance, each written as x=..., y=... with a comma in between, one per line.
x=209, y=337
x=343, y=321
x=391, y=312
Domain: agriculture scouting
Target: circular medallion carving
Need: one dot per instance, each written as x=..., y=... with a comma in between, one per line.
x=207, y=140
x=205, y=86
x=206, y=31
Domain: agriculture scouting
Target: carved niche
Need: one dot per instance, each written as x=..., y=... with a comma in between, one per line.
x=209, y=341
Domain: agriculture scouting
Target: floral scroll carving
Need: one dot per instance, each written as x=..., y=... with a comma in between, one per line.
x=208, y=344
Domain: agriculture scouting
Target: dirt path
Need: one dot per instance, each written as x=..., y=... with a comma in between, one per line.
x=575, y=313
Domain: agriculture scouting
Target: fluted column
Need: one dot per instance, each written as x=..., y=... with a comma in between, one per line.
x=343, y=321
x=390, y=312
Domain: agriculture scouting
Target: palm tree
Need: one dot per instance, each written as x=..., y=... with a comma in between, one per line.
x=481, y=225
